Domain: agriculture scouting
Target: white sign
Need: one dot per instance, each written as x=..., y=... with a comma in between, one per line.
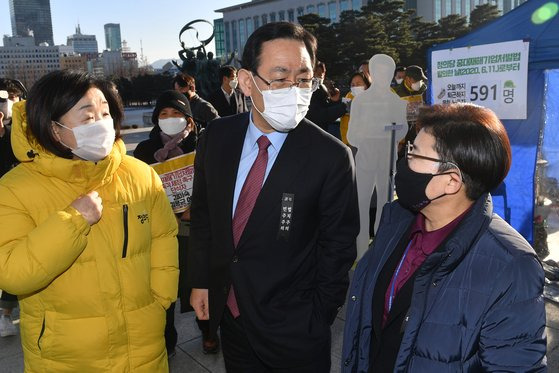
x=490, y=75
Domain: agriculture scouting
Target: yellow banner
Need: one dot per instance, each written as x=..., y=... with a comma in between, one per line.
x=177, y=176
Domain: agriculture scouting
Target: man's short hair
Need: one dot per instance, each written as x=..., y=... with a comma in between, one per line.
x=226, y=71
x=474, y=139
x=11, y=86
x=273, y=31
x=399, y=69
x=184, y=80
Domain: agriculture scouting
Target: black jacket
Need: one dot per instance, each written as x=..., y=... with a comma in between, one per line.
x=145, y=150
x=290, y=284
x=322, y=110
x=202, y=111
x=7, y=158
x=224, y=108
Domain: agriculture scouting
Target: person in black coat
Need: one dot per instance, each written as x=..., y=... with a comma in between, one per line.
x=202, y=111
x=228, y=99
x=174, y=133
x=323, y=110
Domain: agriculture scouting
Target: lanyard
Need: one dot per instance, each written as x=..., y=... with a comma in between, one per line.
x=393, y=284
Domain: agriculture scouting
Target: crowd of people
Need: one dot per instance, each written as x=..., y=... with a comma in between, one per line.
x=97, y=257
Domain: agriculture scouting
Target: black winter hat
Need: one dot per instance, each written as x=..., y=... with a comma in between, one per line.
x=172, y=99
x=416, y=73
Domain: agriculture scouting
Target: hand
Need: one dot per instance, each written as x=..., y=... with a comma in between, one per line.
x=199, y=301
x=90, y=206
x=335, y=95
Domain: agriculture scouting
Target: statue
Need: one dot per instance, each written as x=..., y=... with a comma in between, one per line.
x=197, y=63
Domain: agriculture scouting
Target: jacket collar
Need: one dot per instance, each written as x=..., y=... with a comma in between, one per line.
x=86, y=175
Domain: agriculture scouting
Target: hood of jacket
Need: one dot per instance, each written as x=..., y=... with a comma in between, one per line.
x=86, y=174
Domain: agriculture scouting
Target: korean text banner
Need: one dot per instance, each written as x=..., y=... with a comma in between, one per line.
x=490, y=75
x=177, y=175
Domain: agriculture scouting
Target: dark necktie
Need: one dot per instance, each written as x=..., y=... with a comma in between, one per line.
x=245, y=204
x=233, y=103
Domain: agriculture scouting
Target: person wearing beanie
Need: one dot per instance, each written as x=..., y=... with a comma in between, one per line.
x=174, y=133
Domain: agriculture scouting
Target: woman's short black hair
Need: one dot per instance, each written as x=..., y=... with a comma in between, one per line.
x=273, y=31
x=54, y=95
x=474, y=139
x=365, y=78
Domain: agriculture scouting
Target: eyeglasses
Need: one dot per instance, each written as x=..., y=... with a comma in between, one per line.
x=410, y=155
x=277, y=84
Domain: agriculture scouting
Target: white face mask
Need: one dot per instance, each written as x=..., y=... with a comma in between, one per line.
x=416, y=86
x=284, y=108
x=94, y=141
x=172, y=126
x=357, y=90
x=399, y=81
x=233, y=83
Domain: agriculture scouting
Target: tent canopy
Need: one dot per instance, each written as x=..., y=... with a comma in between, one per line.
x=514, y=200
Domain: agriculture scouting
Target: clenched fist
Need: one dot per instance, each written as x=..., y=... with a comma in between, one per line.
x=90, y=206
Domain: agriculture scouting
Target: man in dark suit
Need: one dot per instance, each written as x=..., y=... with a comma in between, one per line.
x=228, y=100
x=274, y=216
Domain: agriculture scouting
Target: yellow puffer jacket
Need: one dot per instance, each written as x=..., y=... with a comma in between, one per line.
x=92, y=299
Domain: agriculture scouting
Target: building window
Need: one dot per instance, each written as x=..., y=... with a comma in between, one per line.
x=467, y=9
x=448, y=8
x=264, y=19
x=344, y=5
x=322, y=11
x=242, y=33
x=333, y=12
x=300, y=11
x=291, y=15
x=256, y=22
x=281, y=15
x=459, y=7
x=438, y=13
x=234, y=34
x=273, y=17
x=227, y=37
x=250, y=28
x=310, y=9
x=356, y=4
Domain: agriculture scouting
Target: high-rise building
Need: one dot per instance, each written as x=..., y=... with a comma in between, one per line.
x=32, y=17
x=112, y=37
x=28, y=63
x=86, y=45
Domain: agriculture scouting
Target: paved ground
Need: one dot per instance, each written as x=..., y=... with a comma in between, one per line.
x=190, y=359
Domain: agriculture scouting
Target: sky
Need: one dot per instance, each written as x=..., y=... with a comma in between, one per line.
x=156, y=23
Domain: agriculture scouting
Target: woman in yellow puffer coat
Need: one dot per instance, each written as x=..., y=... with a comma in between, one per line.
x=87, y=235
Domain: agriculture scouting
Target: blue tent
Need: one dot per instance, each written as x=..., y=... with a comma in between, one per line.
x=514, y=200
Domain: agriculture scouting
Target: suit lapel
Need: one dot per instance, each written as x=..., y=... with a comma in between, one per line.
x=289, y=163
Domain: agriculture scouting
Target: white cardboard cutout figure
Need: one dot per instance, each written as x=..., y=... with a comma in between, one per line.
x=371, y=112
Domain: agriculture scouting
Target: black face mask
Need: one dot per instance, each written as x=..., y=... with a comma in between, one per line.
x=411, y=186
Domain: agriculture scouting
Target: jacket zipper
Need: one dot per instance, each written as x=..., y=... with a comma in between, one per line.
x=125, y=220
x=41, y=334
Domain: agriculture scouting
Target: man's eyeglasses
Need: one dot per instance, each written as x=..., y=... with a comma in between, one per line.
x=277, y=84
x=409, y=155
